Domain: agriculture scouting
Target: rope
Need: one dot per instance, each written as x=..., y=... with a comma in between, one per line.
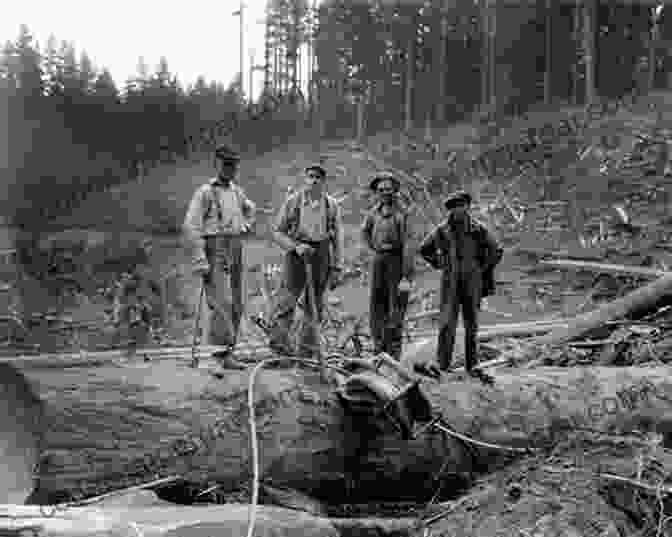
x=197, y=328
x=253, y=430
x=479, y=443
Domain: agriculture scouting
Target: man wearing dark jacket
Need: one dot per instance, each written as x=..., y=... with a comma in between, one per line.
x=466, y=253
x=386, y=233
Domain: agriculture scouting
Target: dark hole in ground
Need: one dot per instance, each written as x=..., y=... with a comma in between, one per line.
x=368, y=499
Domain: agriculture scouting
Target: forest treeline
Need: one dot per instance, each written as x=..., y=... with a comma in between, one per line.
x=331, y=69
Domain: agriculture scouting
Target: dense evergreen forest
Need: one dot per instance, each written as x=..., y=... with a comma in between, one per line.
x=328, y=67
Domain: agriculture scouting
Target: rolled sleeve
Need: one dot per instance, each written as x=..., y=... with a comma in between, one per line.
x=281, y=224
x=281, y=227
x=428, y=248
x=366, y=231
x=193, y=223
x=339, y=240
x=249, y=209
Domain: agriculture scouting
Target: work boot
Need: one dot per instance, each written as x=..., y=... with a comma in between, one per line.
x=481, y=375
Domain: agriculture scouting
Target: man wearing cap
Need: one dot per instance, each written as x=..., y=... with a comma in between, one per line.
x=219, y=216
x=309, y=229
x=467, y=253
x=386, y=233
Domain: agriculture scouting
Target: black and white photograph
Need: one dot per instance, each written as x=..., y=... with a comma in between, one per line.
x=336, y=268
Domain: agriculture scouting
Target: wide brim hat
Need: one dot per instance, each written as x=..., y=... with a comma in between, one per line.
x=457, y=198
x=386, y=176
x=226, y=153
x=316, y=167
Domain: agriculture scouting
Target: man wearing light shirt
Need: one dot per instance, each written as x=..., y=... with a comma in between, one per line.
x=219, y=216
x=309, y=229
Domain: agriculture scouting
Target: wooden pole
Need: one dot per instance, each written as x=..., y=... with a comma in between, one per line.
x=576, y=25
x=549, y=50
x=250, y=71
x=242, y=68
x=410, y=78
x=485, y=48
x=589, y=17
x=492, y=60
x=653, y=42
x=443, y=64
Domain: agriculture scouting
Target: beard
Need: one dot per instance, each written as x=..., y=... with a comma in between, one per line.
x=459, y=219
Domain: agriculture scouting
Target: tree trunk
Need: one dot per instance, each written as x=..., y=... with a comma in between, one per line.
x=548, y=42
x=410, y=78
x=104, y=422
x=485, y=62
x=442, y=67
x=589, y=26
x=641, y=300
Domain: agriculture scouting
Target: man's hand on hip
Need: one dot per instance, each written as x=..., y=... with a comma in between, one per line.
x=302, y=249
x=201, y=267
x=405, y=286
x=336, y=277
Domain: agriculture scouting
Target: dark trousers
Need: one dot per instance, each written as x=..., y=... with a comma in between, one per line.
x=293, y=287
x=464, y=294
x=224, y=288
x=385, y=320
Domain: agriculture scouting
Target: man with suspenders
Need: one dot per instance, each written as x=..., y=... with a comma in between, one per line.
x=309, y=229
x=219, y=216
x=386, y=233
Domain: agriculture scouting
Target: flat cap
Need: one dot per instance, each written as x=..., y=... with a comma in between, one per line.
x=457, y=198
x=317, y=168
x=384, y=176
x=226, y=153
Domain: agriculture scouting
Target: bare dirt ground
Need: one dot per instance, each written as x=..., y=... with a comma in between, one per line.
x=532, y=496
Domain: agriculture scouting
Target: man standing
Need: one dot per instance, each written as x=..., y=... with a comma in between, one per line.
x=467, y=253
x=386, y=233
x=309, y=229
x=219, y=215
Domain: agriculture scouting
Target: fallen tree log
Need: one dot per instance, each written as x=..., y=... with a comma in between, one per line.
x=641, y=300
x=110, y=427
x=507, y=329
x=606, y=268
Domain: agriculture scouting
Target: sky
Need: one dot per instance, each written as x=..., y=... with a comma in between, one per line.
x=198, y=37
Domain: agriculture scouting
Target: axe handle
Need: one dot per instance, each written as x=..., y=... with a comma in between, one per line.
x=310, y=291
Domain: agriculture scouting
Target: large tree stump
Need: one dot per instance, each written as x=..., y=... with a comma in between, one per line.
x=103, y=422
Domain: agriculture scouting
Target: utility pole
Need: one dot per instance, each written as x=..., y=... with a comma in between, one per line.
x=239, y=13
x=411, y=52
x=653, y=43
x=485, y=36
x=268, y=74
x=549, y=51
x=443, y=62
x=251, y=69
x=488, y=68
x=589, y=19
x=492, y=63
